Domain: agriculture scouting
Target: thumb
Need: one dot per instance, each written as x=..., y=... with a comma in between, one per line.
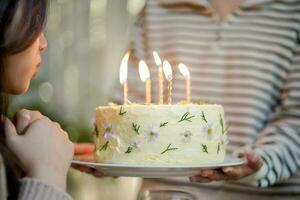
x=254, y=161
x=21, y=122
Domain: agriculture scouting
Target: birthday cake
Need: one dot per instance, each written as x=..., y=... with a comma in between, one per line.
x=181, y=134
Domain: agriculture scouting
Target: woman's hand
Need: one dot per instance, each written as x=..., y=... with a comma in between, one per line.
x=23, y=118
x=253, y=164
x=85, y=152
x=44, y=149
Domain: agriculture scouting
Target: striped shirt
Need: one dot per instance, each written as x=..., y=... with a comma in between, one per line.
x=248, y=61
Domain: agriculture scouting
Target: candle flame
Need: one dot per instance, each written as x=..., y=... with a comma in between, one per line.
x=167, y=70
x=144, y=71
x=123, y=68
x=183, y=70
x=157, y=58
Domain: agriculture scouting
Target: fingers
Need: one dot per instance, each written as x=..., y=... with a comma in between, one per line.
x=254, y=161
x=228, y=173
x=238, y=172
x=209, y=175
x=88, y=170
x=67, y=135
x=58, y=127
x=85, y=158
x=84, y=148
x=214, y=175
x=23, y=118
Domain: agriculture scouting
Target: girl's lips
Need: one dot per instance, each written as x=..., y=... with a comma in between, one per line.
x=37, y=69
x=35, y=73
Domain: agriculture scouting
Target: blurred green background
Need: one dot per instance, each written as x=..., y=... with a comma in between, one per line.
x=86, y=42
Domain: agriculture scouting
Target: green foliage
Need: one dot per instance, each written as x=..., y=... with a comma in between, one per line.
x=104, y=147
x=186, y=117
x=122, y=112
x=96, y=131
x=203, y=117
x=204, y=148
x=136, y=128
x=168, y=149
x=163, y=124
x=129, y=150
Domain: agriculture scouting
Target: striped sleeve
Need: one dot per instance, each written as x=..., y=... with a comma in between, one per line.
x=279, y=142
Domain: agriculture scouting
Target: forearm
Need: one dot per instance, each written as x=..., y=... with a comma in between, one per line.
x=279, y=142
x=280, y=151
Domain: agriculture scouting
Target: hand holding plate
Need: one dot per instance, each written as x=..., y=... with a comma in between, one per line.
x=253, y=162
x=85, y=152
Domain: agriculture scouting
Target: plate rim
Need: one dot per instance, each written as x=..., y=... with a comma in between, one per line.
x=236, y=161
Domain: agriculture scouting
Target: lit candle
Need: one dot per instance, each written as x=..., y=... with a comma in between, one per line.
x=168, y=74
x=186, y=73
x=145, y=77
x=160, y=78
x=123, y=76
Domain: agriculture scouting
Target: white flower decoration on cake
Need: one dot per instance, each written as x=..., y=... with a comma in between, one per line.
x=223, y=140
x=152, y=133
x=108, y=131
x=209, y=130
x=186, y=136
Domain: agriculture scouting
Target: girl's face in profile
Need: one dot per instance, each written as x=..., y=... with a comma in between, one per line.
x=20, y=68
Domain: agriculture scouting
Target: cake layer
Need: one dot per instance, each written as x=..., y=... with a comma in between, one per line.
x=160, y=134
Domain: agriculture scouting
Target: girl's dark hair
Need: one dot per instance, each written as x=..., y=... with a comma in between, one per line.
x=21, y=22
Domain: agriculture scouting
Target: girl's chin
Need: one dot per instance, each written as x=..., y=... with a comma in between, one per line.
x=18, y=90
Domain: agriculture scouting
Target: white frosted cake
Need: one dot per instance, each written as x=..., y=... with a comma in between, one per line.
x=185, y=134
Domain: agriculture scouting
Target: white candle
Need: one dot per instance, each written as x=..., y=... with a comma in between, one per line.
x=145, y=77
x=160, y=78
x=186, y=73
x=123, y=76
x=169, y=76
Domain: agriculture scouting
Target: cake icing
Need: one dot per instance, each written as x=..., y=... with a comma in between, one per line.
x=184, y=134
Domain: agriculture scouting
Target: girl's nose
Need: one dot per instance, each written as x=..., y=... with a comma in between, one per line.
x=43, y=42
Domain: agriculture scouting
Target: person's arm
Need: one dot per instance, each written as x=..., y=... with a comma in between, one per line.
x=279, y=143
x=275, y=155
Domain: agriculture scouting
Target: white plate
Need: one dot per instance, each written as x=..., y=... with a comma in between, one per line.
x=156, y=171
